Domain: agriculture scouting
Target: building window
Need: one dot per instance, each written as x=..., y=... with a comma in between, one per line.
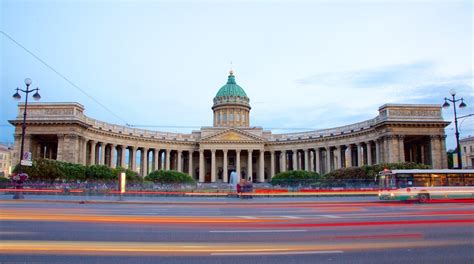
x=243, y=117
x=237, y=116
x=231, y=118
x=225, y=117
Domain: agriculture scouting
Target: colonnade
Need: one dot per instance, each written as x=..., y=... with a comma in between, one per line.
x=214, y=163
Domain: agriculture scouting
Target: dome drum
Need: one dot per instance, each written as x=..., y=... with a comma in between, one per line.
x=231, y=105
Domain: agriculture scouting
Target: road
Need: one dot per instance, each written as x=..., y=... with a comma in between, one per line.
x=225, y=230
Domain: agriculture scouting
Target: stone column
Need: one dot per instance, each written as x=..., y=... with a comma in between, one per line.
x=435, y=151
x=168, y=159
x=213, y=165
x=237, y=163
x=298, y=160
x=156, y=153
x=377, y=152
x=201, y=166
x=386, y=150
x=401, y=148
x=84, y=152
x=294, y=160
x=190, y=164
x=282, y=161
x=180, y=161
x=311, y=160
x=368, y=144
x=261, y=167
x=113, y=159
x=225, y=175
x=272, y=164
x=93, y=151
x=122, y=156
x=360, y=155
x=103, y=147
x=144, y=171
x=337, y=158
x=133, y=159
x=328, y=159
x=249, y=165
x=348, y=156
x=317, y=153
x=444, y=157
x=306, y=160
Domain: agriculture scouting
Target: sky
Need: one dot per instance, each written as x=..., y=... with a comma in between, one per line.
x=305, y=65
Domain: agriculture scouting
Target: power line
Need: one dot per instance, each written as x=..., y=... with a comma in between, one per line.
x=62, y=76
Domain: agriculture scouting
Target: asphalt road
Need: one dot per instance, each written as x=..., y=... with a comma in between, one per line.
x=270, y=230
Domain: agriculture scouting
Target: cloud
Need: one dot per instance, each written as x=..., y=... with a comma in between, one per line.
x=387, y=75
x=326, y=100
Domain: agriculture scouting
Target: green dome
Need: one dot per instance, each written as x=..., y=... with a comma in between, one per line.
x=231, y=88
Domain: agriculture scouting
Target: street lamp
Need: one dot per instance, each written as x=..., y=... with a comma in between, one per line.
x=461, y=105
x=17, y=96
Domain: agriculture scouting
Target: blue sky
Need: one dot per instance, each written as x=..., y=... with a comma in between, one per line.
x=304, y=64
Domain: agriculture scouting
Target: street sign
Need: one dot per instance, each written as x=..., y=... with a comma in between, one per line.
x=26, y=163
x=27, y=155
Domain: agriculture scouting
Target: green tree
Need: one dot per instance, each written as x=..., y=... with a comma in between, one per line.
x=295, y=178
x=162, y=176
x=100, y=172
x=131, y=176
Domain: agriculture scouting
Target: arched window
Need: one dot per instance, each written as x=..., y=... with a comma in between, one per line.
x=237, y=116
x=231, y=117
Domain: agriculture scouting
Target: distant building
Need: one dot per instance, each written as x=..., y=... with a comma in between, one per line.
x=467, y=152
x=6, y=157
x=399, y=133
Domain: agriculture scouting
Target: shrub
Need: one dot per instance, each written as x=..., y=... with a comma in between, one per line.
x=130, y=175
x=43, y=169
x=294, y=178
x=72, y=171
x=100, y=172
x=161, y=176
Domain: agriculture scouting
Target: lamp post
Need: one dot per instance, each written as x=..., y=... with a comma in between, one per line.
x=461, y=105
x=17, y=96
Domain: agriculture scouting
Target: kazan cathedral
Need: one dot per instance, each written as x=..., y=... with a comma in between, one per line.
x=399, y=133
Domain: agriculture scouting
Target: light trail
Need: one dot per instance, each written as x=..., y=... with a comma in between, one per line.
x=153, y=248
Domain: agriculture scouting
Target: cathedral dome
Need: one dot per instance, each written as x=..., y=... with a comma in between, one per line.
x=231, y=88
x=231, y=105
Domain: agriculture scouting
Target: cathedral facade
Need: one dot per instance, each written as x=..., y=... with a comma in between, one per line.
x=399, y=133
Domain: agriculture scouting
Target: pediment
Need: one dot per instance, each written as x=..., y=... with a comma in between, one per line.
x=232, y=135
